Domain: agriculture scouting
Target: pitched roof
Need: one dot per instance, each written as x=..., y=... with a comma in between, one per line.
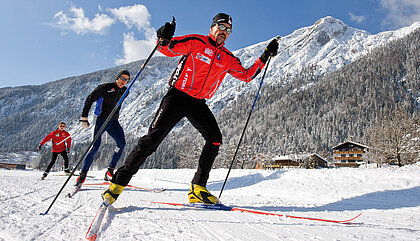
x=297, y=156
x=350, y=142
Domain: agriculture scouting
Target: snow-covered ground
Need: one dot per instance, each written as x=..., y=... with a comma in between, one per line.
x=388, y=198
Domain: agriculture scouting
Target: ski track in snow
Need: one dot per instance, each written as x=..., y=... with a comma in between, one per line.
x=389, y=199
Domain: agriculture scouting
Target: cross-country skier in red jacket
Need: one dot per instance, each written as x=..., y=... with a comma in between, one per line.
x=61, y=144
x=203, y=65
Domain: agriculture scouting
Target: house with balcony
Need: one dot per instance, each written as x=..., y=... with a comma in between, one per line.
x=349, y=154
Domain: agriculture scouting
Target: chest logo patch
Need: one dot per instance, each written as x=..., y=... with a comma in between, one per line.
x=209, y=52
x=203, y=58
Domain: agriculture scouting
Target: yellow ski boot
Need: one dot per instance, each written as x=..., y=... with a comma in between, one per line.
x=200, y=194
x=112, y=193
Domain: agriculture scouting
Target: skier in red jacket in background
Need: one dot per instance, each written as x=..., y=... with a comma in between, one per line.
x=203, y=65
x=61, y=144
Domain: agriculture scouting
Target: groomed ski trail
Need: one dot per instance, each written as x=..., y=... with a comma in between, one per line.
x=389, y=199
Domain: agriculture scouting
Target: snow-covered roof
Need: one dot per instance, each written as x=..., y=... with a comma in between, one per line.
x=297, y=157
x=350, y=142
x=320, y=157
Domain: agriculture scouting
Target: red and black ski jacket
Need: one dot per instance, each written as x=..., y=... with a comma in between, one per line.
x=58, y=136
x=204, y=65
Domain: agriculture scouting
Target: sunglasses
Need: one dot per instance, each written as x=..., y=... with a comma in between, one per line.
x=62, y=126
x=122, y=78
x=224, y=28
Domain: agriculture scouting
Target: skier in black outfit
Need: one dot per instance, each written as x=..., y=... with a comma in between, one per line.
x=106, y=97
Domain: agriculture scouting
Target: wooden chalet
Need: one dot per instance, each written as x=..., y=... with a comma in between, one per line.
x=297, y=161
x=12, y=166
x=349, y=154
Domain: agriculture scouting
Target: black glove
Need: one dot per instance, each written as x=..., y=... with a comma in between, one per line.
x=68, y=150
x=166, y=32
x=39, y=147
x=270, y=51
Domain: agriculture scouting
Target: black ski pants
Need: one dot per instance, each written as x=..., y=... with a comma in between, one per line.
x=175, y=106
x=54, y=158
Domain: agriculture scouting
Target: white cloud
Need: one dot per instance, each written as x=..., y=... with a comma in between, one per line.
x=80, y=24
x=135, y=49
x=357, y=19
x=401, y=12
x=139, y=17
x=136, y=16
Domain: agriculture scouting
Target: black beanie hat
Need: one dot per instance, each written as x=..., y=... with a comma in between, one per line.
x=222, y=18
x=123, y=71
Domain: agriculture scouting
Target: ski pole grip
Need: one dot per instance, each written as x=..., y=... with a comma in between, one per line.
x=160, y=40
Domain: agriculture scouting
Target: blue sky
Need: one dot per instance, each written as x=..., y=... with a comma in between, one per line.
x=46, y=40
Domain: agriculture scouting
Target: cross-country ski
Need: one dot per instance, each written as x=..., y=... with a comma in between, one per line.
x=246, y=210
x=73, y=191
x=157, y=190
x=95, y=226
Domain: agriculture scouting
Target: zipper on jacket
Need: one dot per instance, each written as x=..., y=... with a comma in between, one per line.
x=208, y=73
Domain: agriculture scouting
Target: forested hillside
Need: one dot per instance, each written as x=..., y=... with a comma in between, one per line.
x=312, y=113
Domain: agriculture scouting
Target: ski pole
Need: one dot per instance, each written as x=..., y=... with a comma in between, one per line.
x=106, y=121
x=243, y=132
x=68, y=137
x=63, y=140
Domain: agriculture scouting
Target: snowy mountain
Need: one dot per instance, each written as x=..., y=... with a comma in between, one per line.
x=28, y=113
x=388, y=198
x=326, y=46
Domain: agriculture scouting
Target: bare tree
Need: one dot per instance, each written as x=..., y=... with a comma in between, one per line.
x=394, y=137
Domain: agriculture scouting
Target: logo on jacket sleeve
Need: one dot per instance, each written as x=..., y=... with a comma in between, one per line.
x=184, y=81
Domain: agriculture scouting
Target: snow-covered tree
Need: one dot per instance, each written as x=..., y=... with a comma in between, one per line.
x=395, y=137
